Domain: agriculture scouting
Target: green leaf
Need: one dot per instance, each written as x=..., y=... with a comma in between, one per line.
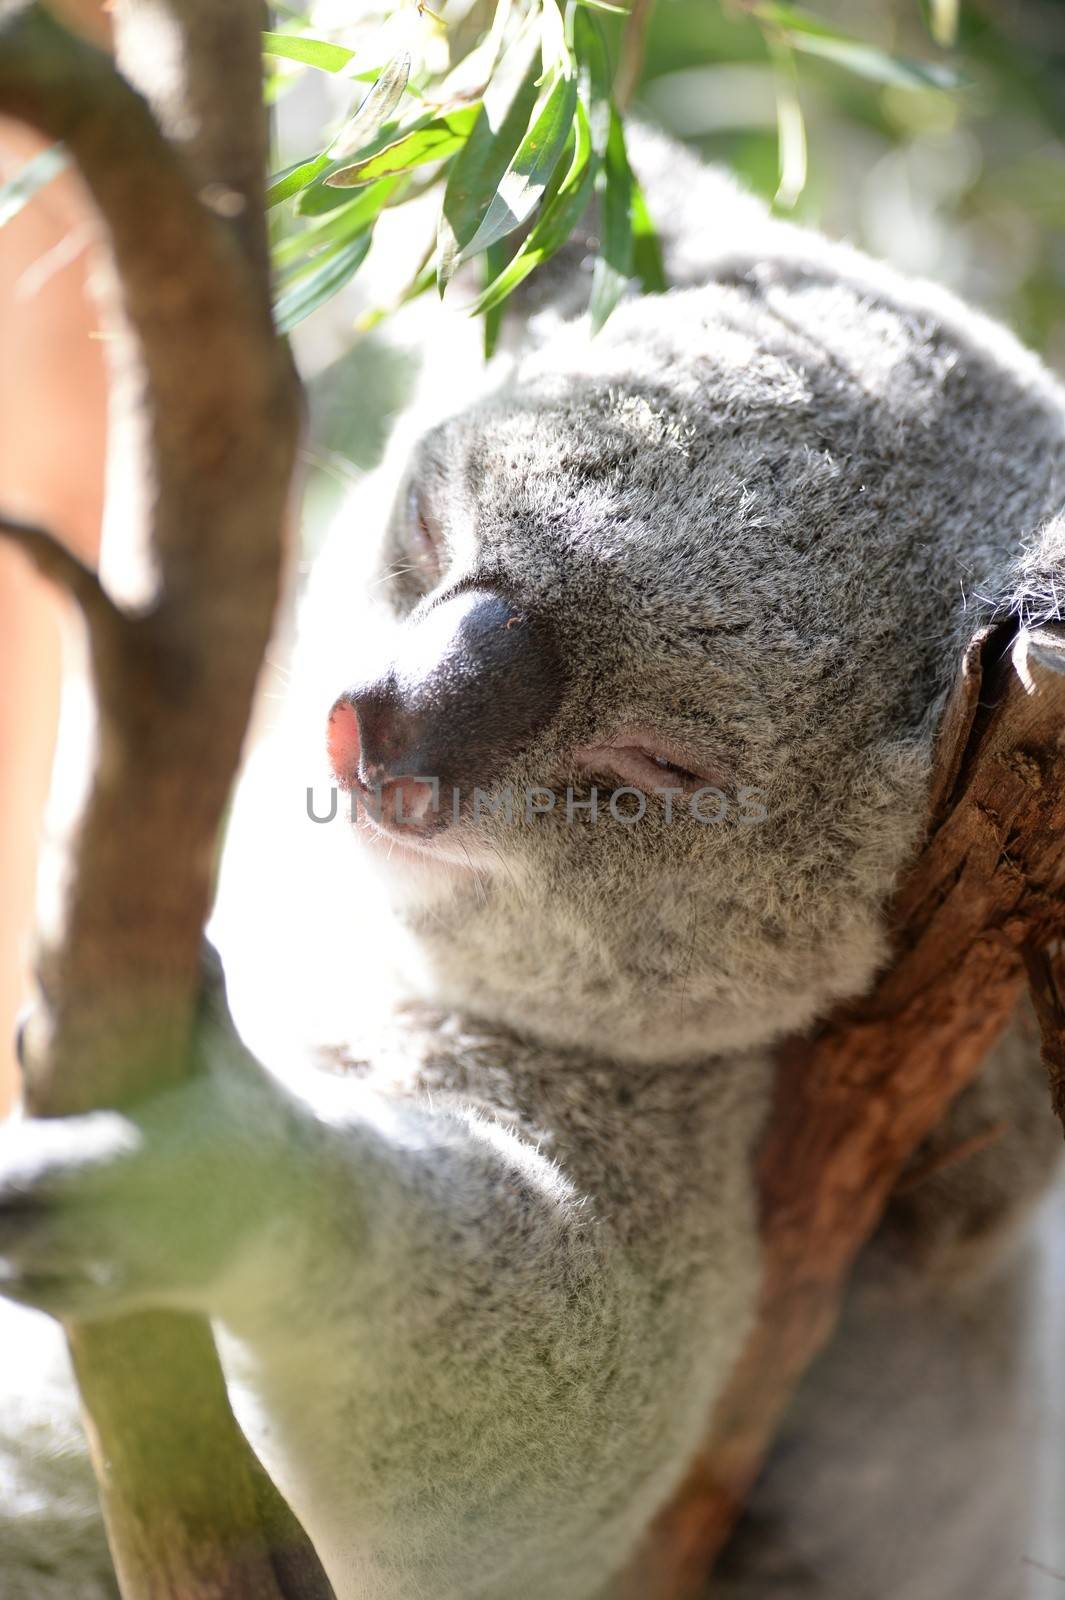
x=563, y=208
x=319, y=196
x=290, y=180
x=310, y=52
x=647, y=263
x=312, y=289
x=29, y=180
x=495, y=260
x=554, y=51
x=806, y=33
x=609, y=147
x=791, y=128
x=522, y=185
x=589, y=42
x=359, y=213
x=614, y=265
x=945, y=15
x=438, y=138
x=375, y=110
x=479, y=168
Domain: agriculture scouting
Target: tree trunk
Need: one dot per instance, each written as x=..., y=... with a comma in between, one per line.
x=171, y=143
x=985, y=898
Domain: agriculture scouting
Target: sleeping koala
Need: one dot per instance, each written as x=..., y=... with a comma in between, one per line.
x=609, y=736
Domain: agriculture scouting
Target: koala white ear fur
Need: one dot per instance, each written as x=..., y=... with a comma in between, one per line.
x=1035, y=582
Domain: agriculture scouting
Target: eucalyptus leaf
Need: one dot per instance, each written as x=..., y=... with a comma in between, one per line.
x=807, y=34
x=479, y=168
x=306, y=243
x=522, y=185
x=791, y=127
x=563, y=208
x=496, y=258
x=945, y=15
x=375, y=109
x=614, y=264
x=554, y=51
x=319, y=196
x=437, y=139
x=291, y=180
x=589, y=42
x=309, y=52
x=312, y=289
x=647, y=263
x=29, y=180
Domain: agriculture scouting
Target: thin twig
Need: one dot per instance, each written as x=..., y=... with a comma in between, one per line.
x=54, y=561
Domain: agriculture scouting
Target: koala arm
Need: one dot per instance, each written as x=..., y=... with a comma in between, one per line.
x=442, y=1343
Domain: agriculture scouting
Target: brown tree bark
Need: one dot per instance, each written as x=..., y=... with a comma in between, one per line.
x=171, y=145
x=984, y=899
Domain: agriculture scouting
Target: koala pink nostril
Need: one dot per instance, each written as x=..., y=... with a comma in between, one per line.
x=342, y=742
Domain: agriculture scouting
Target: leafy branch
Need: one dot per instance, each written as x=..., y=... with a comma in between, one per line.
x=517, y=133
x=518, y=136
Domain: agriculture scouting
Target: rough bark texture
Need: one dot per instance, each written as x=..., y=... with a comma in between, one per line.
x=985, y=898
x=177, y=177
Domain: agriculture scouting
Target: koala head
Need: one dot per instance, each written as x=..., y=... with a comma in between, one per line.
x=710, y=567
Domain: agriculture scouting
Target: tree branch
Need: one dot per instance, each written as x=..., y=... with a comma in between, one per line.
x=54, y=561
x=855, y=1101
x=194, y=70
x=1046, y=980
x=189, y=1511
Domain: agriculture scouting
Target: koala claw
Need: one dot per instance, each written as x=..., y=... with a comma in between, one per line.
x=60, y=1200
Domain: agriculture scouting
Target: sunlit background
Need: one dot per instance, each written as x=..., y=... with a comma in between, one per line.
x=967, y=187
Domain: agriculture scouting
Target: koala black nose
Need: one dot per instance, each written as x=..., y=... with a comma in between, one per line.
x=475, y=681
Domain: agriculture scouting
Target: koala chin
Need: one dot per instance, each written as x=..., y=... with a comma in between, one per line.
x=618, y=688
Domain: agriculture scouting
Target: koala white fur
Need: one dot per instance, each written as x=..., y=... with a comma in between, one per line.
x=478, y=1284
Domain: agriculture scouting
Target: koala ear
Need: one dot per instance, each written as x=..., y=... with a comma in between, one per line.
x=1030, y=594
x=1034, y=588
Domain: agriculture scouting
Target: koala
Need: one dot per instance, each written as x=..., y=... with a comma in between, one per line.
x=609, y=734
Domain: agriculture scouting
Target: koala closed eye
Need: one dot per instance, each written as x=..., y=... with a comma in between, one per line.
x=424, y=537
x=646, y=759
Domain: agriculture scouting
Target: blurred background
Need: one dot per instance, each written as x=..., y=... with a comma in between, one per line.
x=967, y=187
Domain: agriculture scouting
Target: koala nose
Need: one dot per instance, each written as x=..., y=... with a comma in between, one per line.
x=475, y=681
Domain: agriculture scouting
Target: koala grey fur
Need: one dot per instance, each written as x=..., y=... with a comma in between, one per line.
x=478, y=1288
